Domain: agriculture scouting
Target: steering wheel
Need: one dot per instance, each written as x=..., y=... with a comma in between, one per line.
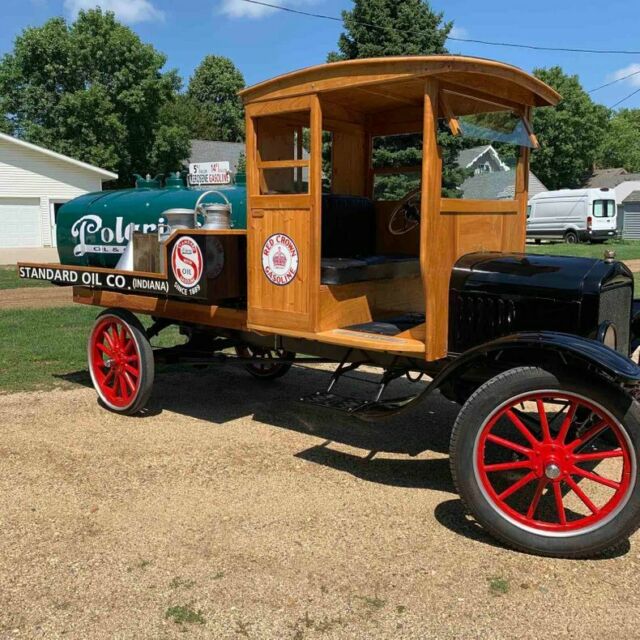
x=406, y=215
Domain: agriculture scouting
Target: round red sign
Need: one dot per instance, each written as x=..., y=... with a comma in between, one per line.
x=280, y=259
x=186, y=262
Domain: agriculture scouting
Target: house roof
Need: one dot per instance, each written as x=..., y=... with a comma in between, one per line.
x=498, y=185
x=103, y=173
x=467, y=156
x=634, y=196
x=216, y=151
x=610, y=178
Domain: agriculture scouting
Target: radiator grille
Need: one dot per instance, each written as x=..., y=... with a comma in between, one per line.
x=615, y=307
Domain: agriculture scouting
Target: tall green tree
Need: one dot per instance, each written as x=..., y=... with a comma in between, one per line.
x=378, y=28
x=569, y=134
x=213, y=97
x=92, y=90
x=620, y=146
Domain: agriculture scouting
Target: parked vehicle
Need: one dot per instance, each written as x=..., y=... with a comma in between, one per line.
x=573, y=215
x=536, y=349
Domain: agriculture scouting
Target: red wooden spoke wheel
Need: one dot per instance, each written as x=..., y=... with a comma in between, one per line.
x=554, y=440
x=547, y=461
x=120, y=361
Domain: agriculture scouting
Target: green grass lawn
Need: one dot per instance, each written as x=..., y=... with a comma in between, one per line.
x=46, y=348
x=9, y=280
x=625, y=249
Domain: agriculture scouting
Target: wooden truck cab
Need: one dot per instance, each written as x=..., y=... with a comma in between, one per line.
x=352, y=103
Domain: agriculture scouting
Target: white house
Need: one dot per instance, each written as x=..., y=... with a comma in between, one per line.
x=34, y=183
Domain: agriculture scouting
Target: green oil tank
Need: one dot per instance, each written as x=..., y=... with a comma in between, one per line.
x=92, y=230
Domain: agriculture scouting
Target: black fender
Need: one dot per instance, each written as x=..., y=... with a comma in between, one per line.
x=543, y=346
x=527, y=348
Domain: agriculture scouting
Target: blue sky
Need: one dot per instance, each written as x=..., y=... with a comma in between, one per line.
x=264, y=43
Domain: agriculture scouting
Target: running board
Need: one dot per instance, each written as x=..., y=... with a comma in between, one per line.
x=363, y=409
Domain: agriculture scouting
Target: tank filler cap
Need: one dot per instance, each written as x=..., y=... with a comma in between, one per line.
x=609, y=256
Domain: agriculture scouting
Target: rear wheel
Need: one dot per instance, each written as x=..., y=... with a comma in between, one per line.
x=120, y=361
x=264, y=368
x=548, y=463
x=571, y=237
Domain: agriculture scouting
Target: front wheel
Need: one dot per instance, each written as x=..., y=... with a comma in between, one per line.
x=120, y=361
x=548, y=463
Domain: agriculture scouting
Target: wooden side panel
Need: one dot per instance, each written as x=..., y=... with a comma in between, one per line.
x=349, y=163
x=285, y=304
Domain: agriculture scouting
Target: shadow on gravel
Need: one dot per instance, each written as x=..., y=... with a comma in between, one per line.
x=222, y=394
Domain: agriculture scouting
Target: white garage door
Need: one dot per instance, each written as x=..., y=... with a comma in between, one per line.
x=20, y=222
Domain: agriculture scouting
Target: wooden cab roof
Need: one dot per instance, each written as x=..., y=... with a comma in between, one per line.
x=372, y=85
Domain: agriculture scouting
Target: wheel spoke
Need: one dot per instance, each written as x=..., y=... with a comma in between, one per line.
x=109, y=338
x=129, y=381
x=599, y=455
x=542, y=483
x=108, y=377
x=517, y=485
x=130, y=343
x=596, y=478
x=562, y=516
x=509, y=445
x=544, y=423
x=581, y=494
x=121, y=390
x=104, y=349
x=566, y=424
x=132, y=370
x=518, y=424
x=508, y=466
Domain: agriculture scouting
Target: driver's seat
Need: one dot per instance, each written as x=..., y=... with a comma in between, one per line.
x=348, y=244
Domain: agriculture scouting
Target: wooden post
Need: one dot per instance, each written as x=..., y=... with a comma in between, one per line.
x=519, y=236
x=437, y=240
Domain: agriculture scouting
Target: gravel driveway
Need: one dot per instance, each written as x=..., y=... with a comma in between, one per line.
x=230, y=511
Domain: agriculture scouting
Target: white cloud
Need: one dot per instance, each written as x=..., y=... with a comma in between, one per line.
x=634, y=81
x=129, y=11
x=458, y=32
x=241, y=9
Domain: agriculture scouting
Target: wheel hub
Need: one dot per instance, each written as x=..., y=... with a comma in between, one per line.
x=552, y=471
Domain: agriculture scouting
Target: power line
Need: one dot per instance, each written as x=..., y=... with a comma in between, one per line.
x=470, y=40
x=635, y=73
x=633, y=93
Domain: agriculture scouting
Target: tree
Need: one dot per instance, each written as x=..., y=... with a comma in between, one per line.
x=620, y=145
x=569, y=134
x=94, y=91
x=378, y=28
x=213, y=95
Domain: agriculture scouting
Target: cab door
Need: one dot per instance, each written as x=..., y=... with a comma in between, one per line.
x=284, y=198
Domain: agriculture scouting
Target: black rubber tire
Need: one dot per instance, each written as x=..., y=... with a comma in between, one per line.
x=538, y=241
x=571, y=237
x=271, y=373
x=470, y=422
x=147, y=363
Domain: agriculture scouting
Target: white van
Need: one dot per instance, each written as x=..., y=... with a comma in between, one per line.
x=573, y=215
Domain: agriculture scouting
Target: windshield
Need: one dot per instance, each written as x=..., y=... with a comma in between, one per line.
x=604, y=208
x=500, y=126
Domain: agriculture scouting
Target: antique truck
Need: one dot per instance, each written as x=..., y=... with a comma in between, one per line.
x=337, y=251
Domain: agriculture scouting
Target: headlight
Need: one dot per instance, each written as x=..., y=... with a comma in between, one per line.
x=608, y=335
